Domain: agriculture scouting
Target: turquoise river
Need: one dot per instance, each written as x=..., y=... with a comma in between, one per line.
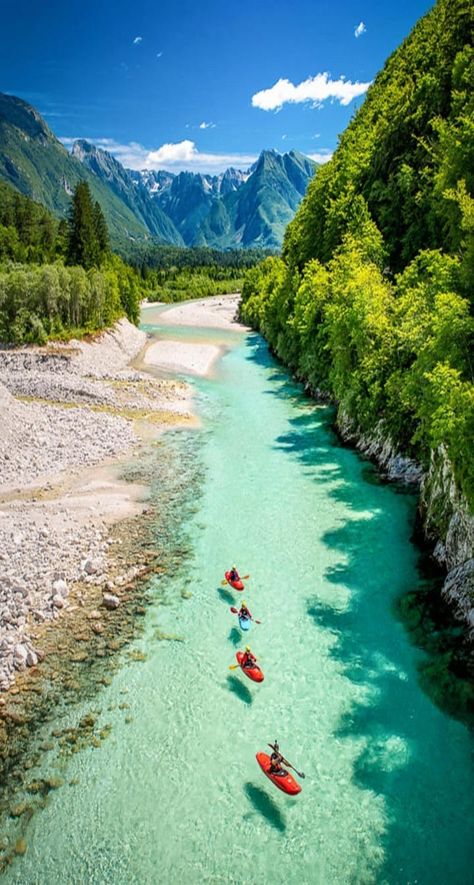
x=175, y=795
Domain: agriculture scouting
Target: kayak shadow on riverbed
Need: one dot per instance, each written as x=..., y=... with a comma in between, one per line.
x=239, y=689
x=235, y=637
x=225, y=595
x=265, y=806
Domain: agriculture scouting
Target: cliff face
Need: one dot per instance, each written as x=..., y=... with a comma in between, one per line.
x=447, y=524
x=450, y=526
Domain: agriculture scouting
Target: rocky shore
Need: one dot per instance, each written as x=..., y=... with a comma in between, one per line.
x=69, y=415
x=445, y=519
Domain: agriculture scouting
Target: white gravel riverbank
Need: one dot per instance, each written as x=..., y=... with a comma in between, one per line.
x=56, y=498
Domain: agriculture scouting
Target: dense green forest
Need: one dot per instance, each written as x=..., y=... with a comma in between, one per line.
x=59, y=278
x=372, y=300
x=174, y=273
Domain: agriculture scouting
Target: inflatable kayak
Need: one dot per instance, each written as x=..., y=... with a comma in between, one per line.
x=245, y=623
x=237, y=585
x=253, y=673
x=284, y=782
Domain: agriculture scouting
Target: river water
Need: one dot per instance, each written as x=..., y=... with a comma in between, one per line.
x=175, y=795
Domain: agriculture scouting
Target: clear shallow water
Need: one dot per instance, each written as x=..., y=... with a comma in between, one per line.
x=176, y=796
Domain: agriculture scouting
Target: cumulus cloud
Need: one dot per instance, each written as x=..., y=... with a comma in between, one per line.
x=321, y=157
x=360, y=29
x=137, y=40
x=316, y=90
x=185, y=155
x=175, y=157
x=204, y=125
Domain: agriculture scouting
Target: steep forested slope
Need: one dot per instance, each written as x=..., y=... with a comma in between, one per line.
x=373, y=300
x=35, y=163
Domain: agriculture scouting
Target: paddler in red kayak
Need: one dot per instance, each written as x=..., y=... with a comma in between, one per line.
x=249, y=660
x=275, y=761
x=233, y=574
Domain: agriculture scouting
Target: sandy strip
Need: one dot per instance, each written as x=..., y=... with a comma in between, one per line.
x=182, y=357
x=190, y=357
x=216, y=312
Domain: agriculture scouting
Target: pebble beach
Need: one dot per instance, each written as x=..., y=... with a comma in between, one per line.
x=71, y=415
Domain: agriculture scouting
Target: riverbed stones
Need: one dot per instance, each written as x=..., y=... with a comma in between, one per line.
x=110, y=601
x=89, y=397
x=60, y=587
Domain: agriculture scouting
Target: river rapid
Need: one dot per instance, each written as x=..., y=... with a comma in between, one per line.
x=174, y=794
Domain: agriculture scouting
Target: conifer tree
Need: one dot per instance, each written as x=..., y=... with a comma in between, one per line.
x=101, y=231
x=83, y=247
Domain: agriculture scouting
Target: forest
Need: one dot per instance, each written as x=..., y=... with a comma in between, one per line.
x=371, y=302
x=59, y=278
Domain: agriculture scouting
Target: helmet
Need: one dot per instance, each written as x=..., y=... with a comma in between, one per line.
x=247, y=648
x=234, y=567
x=244, y=604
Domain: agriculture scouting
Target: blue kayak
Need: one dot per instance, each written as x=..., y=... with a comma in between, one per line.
x=244, y=623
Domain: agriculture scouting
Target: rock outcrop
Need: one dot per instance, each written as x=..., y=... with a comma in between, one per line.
x=447, y=522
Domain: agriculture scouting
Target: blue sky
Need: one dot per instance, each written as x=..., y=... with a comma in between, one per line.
x=199, y=85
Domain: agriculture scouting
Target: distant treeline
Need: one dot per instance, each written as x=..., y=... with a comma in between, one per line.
x=59, y=278
x=173, y=273
x=164, y=257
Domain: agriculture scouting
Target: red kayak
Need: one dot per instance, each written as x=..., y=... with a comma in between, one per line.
x=253, y=673
x=284, y=782
x=237, y=585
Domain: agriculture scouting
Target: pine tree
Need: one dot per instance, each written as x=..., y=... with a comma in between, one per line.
x=101, y=231
x=83, y=247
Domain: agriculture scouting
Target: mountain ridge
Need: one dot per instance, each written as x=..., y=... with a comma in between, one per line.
x=234, y=209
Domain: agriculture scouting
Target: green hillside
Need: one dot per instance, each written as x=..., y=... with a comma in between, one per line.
x=34, y=162
x=372, y=302
x=234, y=209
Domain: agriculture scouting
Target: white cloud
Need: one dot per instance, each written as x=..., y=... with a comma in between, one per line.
x=316, y=89
x=360, y=29
x=175, y=157
x=322, y=156
x=204, y=125
x=185, y=155
x=159, y=54
x=137, y=40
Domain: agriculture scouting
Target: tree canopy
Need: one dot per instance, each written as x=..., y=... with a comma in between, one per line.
x=372, y=300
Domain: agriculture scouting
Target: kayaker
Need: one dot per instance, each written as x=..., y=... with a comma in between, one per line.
x=275, y=761
x=233, y=574
x=244, y=612
x=249, y=660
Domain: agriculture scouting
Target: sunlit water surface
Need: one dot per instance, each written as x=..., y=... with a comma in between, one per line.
x=176, y=796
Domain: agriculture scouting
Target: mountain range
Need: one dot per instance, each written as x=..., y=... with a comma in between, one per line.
x=236, y=209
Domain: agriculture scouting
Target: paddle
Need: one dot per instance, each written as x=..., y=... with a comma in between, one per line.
x=225, y=581
x=235, y=611
x=299, y=773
